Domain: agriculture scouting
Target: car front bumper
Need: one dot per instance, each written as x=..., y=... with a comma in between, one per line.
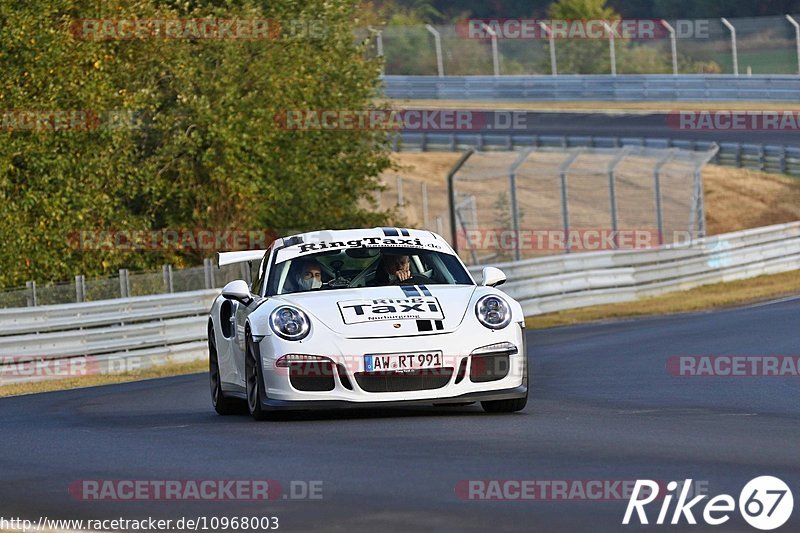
x=279, y=394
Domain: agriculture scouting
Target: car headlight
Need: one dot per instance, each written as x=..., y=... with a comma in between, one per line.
x=289, y=323
x=493, y=312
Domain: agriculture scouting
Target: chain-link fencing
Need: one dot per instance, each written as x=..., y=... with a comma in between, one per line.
x=760, y=45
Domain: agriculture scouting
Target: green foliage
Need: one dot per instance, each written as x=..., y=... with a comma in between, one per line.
x=204, y=149
x=581, y=9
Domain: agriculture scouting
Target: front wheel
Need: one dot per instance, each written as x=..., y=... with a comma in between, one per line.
x=253, y=379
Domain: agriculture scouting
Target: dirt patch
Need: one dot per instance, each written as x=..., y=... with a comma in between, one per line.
x=738, y=198
x=735, y=198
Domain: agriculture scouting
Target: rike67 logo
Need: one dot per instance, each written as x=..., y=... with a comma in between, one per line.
x=765, y=503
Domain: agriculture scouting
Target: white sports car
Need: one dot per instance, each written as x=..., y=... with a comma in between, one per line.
x=364, y=317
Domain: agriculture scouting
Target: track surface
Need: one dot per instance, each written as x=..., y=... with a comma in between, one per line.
x=603, y=407
x=650, y=125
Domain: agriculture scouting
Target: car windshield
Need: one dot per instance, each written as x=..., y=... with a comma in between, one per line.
x=366, y=267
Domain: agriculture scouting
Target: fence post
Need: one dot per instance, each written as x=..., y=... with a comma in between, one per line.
x=733, y=45
x=657, y=186
x=512, y=179
x=425, y=219
x=124, y=283
x=673, y=46
x=796, y=38
x=166, y=271
x=451, y=196
x=611, y=49
x=562, y=171
x=612, y=188
x=32, y=299
x=495, y=55
x=552, y=42
x=209, y=272
x=438, y=43
x=80, y=288
x=379, y=45
x=399, y=182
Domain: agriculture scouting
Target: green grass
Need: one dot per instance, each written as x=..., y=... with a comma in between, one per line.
x=777, y=61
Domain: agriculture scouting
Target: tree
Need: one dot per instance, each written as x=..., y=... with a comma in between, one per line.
x=204, y=150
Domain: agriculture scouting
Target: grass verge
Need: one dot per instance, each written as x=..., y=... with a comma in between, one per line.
x=714, y=296
x=175, y=369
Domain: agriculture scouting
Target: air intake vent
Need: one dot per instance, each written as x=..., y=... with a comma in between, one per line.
x=404, y=381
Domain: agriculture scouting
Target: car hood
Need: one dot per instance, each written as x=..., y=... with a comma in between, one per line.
x=392, y=311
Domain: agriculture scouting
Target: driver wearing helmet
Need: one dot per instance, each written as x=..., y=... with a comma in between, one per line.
x=392, y=268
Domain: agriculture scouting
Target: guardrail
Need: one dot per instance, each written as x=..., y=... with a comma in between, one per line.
x=567, y=281
x=116, y=335
x=766, y=157
x=598, y=87
x=109, y=336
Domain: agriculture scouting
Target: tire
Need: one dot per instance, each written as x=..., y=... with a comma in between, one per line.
x=223, y=405
x=505, y=406
x=253, y=379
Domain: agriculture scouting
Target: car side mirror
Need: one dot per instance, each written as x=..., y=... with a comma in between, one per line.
x=492, y=277
x=237, y=290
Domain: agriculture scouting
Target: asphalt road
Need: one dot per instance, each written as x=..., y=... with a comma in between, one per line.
x=603, y=407
x=599, y=124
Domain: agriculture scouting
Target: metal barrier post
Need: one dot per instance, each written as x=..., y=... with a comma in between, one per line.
x=451, y=196
x=794, y=23
x=209, y=273
x=495, y=55
x=399, y=184
x=438, y=43
x=425, y=219
x=512, y=178
x=552, y=44
x=31, y=287
x=657, y=186
x=124, y=284
x=80, y=288
x=699, y=210
x=166, y=270
x=612, y=187
x=562, y=171
x=611, y=48
x=733, y=45
x=379, y=46
x=673, y=46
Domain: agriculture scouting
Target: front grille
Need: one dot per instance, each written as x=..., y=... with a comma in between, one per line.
x=404, y=381
x=312, y=376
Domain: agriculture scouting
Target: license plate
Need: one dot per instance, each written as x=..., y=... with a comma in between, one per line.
x=402, y=361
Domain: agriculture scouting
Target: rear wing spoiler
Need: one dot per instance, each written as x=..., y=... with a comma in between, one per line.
x=245, y=256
